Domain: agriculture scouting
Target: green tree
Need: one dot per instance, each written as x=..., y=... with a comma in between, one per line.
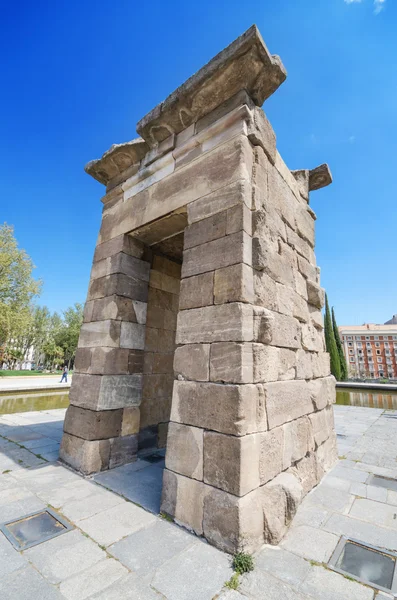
x=69, y=332
x=342, y=359
x=17, y=287
x=330, y=343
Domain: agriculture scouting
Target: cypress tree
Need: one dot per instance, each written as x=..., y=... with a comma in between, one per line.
x=342, y=358
x=330, y=343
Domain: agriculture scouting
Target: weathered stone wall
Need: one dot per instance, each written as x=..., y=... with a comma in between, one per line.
x=251, y=425
x=158, y=371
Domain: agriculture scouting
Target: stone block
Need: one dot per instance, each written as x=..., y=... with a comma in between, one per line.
x=167, y=266
x=273, y=364
x=312, y=339
x=239, y=218
x=300, y=284
x=276, y=329
x=163, y=299
x=322, y=424
x=221, y=199
x=118, y=284
x=271, y=454
x=231, y=362
x=307, y=269
x=159, y=338
x=307, y=471
x=265, y=291
x=192, y=362
x=161, y=318
x=123, y=450
x=164, y=282
x=231, y=463
x=92, y=425
x=82, y=361
x=163, y=363
x=132, y=336
x=286, y=401
x=260, y=133
x=121, y=263
x=100, y=333
x=185, y=450
x=162, y=435
x=281, y=196
x=302, y=179
x=234, y=284
x=315, y=294
x=115, y=361
x=280, y=499
x=327, y=453
x=304, y=367
x=204, y=231
x=322, y=391
x=316, y=317
x=197, y=291
x=233, y=409
x=304, y=224
x=183, y=499
x=272, y=258
x=298, y=440
x=231, y=523
x=85, y=456
x=321, y=364
x=300, y=245
x=119, y=308
x=107, y=392
x=225, y=251
x=222, y=323
x=122, y=243
x=130, y=421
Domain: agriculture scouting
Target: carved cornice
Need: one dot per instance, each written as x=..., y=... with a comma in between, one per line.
x=116, y=160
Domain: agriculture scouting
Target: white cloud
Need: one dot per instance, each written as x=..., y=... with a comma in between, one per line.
x=352, y=1
x=379, y=5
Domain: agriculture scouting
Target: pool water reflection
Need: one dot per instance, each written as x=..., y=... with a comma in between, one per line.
x=14, y=402
x=368, y=398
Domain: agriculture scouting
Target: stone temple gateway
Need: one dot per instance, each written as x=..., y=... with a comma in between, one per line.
x=202, y=327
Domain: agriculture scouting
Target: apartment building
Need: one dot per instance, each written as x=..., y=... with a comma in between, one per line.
x=370, y=350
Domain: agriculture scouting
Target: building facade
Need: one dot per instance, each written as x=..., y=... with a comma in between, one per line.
x=370, y=350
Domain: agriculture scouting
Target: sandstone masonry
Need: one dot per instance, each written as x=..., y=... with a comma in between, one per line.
x=203, y=315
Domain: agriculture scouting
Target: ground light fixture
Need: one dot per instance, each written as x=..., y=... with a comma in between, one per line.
x=367, y=564
x=35, y=528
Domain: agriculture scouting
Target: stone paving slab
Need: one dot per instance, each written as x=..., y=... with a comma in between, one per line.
x=119, y=551
x=64, y=556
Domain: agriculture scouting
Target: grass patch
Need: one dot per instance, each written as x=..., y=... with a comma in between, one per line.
x=6, y=471
x=233, y=582
x=243, y=563
x=21, y=373
x=166, y=517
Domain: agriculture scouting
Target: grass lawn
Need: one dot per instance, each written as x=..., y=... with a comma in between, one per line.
x=24, y=373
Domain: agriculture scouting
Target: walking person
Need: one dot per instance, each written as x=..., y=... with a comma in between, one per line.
x=64, y=374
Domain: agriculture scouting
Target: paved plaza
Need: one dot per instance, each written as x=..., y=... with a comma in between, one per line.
x=120, y=547
x=33, y=382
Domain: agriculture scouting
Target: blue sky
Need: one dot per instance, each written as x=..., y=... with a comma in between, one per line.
x=77, y=76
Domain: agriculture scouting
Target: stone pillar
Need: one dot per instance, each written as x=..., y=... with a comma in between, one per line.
x=251, y=426
x=102, y=421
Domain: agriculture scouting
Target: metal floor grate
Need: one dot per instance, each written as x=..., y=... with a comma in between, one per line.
x=35, y=528
x=368, y=564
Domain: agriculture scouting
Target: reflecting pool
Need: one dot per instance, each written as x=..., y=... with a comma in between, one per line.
x=16, y=402
x=369, y=398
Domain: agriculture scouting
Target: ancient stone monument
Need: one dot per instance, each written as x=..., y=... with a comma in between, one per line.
x=203, y=328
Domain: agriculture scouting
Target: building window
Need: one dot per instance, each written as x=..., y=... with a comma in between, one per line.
x=371, y=374
x=359, y=345
x=350, y=344
x=386, y=344
x=378, y=352
x=349, y=337
x=367, y=337
x=351, y=351
x=352, y=359
x=368, y=344
x=377, y=344
x=381, y=374
x=358, y=337
x=379, y=359
x=376, y=337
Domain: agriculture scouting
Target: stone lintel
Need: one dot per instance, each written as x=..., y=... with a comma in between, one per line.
x=319, y=177
x=117, y=159
x=245, y=64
